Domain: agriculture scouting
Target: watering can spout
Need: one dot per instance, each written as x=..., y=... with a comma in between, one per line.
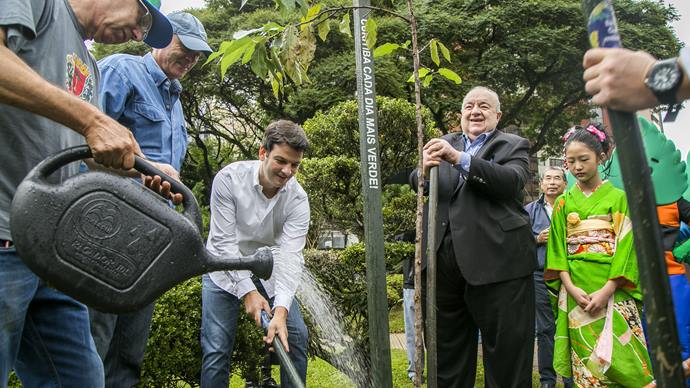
x=260, y=263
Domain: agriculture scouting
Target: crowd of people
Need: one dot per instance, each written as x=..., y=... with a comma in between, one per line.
x=497, y=260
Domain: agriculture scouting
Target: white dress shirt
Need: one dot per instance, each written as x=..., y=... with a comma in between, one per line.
x=243, y=220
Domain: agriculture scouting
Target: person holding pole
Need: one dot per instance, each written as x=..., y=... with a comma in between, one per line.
x=553, y=184
x=628, y=80
x=257, y=204
x=485, y=248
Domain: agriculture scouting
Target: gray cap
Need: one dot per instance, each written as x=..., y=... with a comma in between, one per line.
x=190, y=31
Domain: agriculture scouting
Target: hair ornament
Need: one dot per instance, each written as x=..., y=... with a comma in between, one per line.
x=568, y=134
x=596, y=132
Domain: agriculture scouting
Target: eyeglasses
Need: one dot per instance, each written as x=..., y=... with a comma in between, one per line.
x=145, y=21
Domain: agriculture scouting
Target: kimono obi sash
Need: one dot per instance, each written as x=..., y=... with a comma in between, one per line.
x=592, y=235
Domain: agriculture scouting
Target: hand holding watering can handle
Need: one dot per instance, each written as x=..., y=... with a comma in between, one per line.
x=68, y=155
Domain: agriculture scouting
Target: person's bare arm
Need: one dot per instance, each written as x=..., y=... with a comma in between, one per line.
x=112, y=144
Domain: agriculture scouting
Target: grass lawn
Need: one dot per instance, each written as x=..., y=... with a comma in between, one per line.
x=396, y=322
x=322, y=374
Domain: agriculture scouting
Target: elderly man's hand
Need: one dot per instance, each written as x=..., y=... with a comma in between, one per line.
x=615, y=78
x=436, y=150
x=112, y=145
x=543, y=236
x=157, y=184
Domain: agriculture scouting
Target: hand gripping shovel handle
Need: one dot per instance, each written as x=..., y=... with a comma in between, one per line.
x=283, y=356
x=72, y=154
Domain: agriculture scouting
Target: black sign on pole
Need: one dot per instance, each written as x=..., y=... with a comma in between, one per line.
x=371, y=189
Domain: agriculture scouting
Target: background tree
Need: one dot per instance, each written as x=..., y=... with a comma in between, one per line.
x=330, y=171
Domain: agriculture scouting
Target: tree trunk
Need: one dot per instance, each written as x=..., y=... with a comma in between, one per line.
x=418, y=326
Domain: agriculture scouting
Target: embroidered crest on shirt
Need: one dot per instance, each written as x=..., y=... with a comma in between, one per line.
x=79, y=80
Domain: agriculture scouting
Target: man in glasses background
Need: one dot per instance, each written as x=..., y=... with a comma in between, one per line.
x=143, y=94
x=48, y=101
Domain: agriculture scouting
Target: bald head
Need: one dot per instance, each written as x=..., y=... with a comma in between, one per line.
x=483, y=89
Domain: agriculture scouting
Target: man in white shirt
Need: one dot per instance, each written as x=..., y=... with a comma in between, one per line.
x=257, y=204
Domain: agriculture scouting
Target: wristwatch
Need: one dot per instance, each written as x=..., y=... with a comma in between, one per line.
x=664, y=79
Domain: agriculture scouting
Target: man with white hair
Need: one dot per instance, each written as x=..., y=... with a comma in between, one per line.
x=143, y=94
x=553, y=184
x=485, y=249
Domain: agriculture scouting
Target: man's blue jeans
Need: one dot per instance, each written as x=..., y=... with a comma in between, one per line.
x=219, y=313
x=121, y=343
x=408, y=316
x=44, y=334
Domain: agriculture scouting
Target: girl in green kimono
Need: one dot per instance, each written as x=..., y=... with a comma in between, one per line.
x=591, y=263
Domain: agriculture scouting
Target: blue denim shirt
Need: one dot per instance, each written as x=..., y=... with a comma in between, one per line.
x=540, y=220
x=135, y=92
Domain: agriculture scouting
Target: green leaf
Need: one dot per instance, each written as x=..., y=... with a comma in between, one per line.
x=241, y=34
x=258, y=63
x=371, y=33
x=344, y=26
x=423, y=71
x=385, y=49
x=427, y=80
x=450, y=74
x=324, y=29
x=311, y=13
x=233, y=53
x=275, y=86
x=406, y=44
x=434, y=52
x=444, y=51
x=213, y=56
x=272, y=26
x=249, y=52
x=296, y=52
x=303, y=6
x=286, y=7
x=216, y=54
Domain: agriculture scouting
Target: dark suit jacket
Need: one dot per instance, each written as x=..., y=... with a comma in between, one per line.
x=491, y=233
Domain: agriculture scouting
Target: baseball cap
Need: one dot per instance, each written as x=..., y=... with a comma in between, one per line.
x=161, y=31
x=190, y=31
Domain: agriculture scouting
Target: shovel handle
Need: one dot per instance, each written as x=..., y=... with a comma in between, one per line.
x=72, y=154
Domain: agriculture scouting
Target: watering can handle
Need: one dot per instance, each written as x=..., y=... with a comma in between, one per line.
x=72, y=154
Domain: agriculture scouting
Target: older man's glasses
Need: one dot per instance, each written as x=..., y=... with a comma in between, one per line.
x=145, y=21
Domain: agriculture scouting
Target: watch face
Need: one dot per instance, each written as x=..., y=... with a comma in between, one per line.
x=664, y=77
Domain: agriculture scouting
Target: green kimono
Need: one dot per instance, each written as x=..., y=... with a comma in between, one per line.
x=591, y=238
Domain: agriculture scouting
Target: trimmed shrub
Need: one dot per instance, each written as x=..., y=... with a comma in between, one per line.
x=173, y=353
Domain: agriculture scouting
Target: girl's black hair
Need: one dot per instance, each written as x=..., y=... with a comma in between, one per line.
x=592, y=135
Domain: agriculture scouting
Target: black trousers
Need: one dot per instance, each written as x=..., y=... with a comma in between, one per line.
x=504, y=312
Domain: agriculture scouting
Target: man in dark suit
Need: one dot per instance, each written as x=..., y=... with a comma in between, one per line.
x=485, y=249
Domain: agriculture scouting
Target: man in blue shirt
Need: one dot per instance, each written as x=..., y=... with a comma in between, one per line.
x=143, y=94
x=553, y=184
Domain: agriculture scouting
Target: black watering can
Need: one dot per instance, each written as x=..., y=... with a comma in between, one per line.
x=109, y=241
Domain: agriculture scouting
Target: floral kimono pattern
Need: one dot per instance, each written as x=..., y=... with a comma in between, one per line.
x=591, y=238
